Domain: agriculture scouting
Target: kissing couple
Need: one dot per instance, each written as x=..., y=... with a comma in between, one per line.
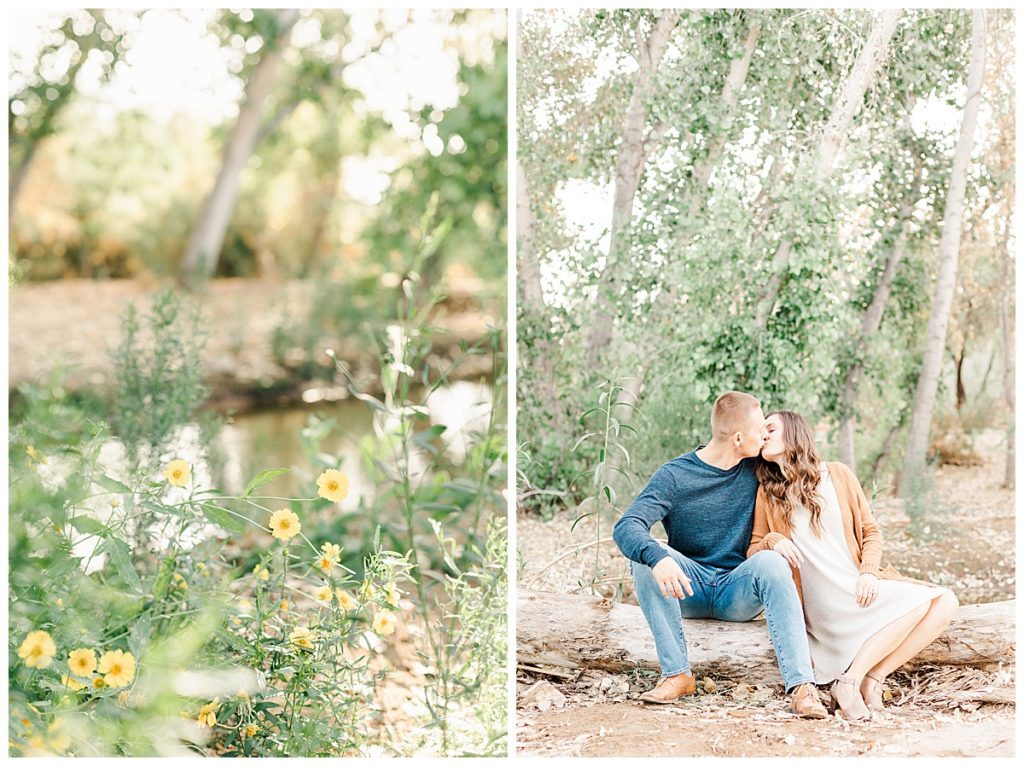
x=757, y=522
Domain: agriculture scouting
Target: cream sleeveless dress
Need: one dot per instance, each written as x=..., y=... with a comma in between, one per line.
x=836, y=626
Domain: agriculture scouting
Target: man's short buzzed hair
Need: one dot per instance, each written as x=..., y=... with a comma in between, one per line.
x=731, y=413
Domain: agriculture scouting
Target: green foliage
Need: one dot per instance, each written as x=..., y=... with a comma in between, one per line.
x=696, y=257
x=158, y=374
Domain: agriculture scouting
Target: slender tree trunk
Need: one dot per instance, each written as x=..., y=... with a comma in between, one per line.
x=635, y=146
x=847, y=104
x=18, y=178
x=961, y=393
x=207, y=238
x=886, y=448
x=872, y=320
x=1006, y=329
x=532, y=307
x=734, y=82
x=938, y=322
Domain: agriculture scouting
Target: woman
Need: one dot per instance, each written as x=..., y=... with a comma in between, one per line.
x=862, y=622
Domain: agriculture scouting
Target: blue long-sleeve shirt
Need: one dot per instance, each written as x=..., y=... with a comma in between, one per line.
x=707, y=512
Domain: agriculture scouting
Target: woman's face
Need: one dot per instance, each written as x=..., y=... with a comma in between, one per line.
x=774, y=445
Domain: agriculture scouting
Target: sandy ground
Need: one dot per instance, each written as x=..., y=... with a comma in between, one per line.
x=969, y=547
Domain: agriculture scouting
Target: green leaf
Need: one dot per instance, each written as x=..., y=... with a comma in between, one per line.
x=113, y=485
x=578, y=519
x=90, y=526
x=122, y=558
x=223, y=519
x=262, y=478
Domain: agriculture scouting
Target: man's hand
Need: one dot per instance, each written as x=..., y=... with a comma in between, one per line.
x=866, y=589
x=671, y=580
x=788, y=550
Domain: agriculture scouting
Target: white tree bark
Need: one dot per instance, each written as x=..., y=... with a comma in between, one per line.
x=847, y=104
x=204, y=246
x=872, y=320
x=532, y=305
x=949, y=248
x=570, y=632
x=1006, y=328
x=633, y=150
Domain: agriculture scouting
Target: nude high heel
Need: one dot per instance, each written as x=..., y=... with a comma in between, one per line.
x=874, y=700
x=849, y=711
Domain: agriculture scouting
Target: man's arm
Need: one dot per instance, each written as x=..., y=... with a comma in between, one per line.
x=633, y=531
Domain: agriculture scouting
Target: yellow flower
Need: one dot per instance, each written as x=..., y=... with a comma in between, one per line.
x=345, y=601
x=118, y=668
x=284, y=524
x=323, y=593
x=55, y=741
x=367, y=591
x=35, y=454
x=82, y=662
x=392, y=594
x=331, y=551
x=333, y=485
x=98, y=682
x=260, y=572
x=71, y=683
x=37, y=649
x=250, y=730
x=284, y=605
x=384, y=623
x=178, y=473
x=115, y=502
x=59, y=602
x=208, y=715
x=302, y=637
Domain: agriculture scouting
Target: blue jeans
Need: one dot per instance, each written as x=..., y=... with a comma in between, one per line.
x=762, y=582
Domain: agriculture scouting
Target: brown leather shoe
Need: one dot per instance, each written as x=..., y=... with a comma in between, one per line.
x=670, y=689
x=805, y=703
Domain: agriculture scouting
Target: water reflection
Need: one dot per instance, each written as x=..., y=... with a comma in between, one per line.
x=272, y=439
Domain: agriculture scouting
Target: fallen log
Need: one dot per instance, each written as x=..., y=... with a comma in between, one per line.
x=575, y=632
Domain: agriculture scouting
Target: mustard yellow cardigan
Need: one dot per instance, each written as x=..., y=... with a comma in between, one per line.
x=861, y=532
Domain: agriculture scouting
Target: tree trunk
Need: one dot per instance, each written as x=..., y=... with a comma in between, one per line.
x=938, y=322
x=562, y=631
x=961, y=393
x=730, y=94
x=1006, y=329
x=633, y=150
x=204, y=246
x=532, y=307
x=846, y=106
x=872, y=320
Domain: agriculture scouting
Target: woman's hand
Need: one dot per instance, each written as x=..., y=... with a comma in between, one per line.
x=866, y=590
x=788, y=550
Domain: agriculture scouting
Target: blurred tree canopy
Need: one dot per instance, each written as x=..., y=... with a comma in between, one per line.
x=113, y=186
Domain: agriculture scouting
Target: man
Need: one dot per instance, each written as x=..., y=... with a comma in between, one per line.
x=705, y=499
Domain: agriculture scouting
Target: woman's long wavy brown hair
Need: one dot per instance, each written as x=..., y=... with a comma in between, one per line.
x=794, y=480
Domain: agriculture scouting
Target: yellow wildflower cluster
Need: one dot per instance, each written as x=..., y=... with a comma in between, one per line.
x=116, y=667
